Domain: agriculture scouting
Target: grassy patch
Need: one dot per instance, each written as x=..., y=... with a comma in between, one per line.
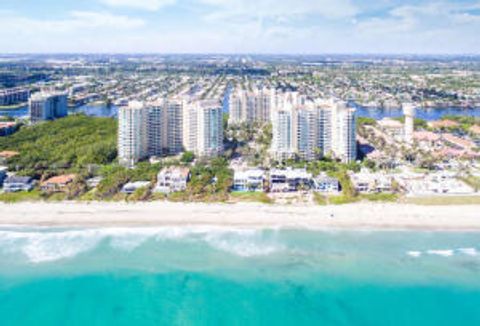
x=320, y=199
x=342, y=200
x=472, y=181
x=444, y=200
x=380, y=197
x=260, y=197
x=21, y=196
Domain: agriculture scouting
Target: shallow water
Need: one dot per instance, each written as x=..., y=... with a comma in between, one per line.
x=224, y=276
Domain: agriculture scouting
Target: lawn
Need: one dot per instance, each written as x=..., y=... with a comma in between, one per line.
x=443, y=200
x=260, y=197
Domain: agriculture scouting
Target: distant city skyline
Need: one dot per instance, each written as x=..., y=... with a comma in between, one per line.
x=240, y=26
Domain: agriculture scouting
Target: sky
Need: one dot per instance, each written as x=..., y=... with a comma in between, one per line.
x=240, y=26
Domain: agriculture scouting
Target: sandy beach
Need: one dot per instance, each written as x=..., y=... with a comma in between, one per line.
x=354, y=216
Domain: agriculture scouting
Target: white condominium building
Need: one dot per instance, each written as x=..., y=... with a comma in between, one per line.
x=132, y=133
x=150, y=129
x=312, y=130
x=203, y=128
x=165, y=127
x=251, y=106
x=283, y=133
x=344, y=141
x=47, y=106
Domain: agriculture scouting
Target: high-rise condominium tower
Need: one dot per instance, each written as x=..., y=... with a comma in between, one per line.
x=47, y=106
x=409, y=112
x=313, y=129
x=165, y=127
x=251, y=106
x=150, y=129
x=132, y=133
x=203, y=128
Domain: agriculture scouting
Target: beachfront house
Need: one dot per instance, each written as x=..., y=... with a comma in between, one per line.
x=370, y=182
x=324, y=183
x=131, y=187
x=58, y=183
x=441, y=182
x=172, y=179
x=249, y=180
x=17, y=183
x=8, y=128
x=289, y=180
x=93, y=182
x=5, y=155
x=3, y=174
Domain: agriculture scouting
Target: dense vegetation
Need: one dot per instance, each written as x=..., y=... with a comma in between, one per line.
x=66, y=144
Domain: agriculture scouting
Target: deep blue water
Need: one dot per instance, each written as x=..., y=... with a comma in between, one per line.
x=88, y=109
x=223, y=276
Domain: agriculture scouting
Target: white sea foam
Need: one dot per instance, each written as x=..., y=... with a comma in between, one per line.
x=444, y=253
x=468, y=251
x=52, y=245
x=244, y=244
x=414, y=253
x=41, y=247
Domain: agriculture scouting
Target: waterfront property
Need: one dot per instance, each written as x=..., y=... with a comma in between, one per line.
x=131, y=187
x=94, y=182
x=3, y=174
x=8, y=128
x=18, y=183
x=289, y=180
x=172, y=179
x=13, y=96
x=325, y=183
x=371, y=182
x=58, y=183
x=203, y=128
x=249, y=180
x=47, y=106
x=312, y=129
x=5, y=155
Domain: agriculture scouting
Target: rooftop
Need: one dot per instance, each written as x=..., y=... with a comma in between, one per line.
x=60, y=179
x=8, y=154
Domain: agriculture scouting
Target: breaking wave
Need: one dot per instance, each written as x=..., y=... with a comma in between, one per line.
x=40, y=246
x=444, y=252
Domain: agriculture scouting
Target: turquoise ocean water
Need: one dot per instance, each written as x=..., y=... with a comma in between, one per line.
x=223, y=276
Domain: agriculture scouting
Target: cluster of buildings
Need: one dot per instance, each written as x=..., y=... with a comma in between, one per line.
x=314, y=129
x=282, y=180
x=410, y=182
x=12, y=96
x=301, y=127
x=168, y=127
x=251, y=105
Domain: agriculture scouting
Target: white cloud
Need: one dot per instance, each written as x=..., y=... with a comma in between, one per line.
x=152, y=5
x=281, y=9
x=77, y=20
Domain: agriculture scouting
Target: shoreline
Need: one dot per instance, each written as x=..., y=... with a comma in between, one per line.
x=359, y=216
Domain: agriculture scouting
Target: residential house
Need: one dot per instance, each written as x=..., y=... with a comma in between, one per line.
x=370, y=182
x=131, y=187
x=172, y=179
x=249, y=180
x=3, y=174
x=7, y=128
x=288, y=180
x=324, y=183
x=17, y=183
x=58, y=183
x=5, y=155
